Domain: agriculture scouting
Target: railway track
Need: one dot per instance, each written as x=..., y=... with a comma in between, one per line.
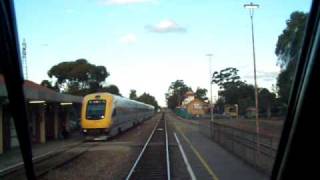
x=63, y=157
x=54, y=161
x=74, y=153
x=153, y=161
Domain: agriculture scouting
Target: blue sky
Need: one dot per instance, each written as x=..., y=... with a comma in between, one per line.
x=146, y=44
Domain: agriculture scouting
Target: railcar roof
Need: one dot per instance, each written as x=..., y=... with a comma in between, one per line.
x=121, y=98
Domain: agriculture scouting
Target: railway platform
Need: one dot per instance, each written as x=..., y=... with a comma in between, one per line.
x=12, y=159
x=207, y=159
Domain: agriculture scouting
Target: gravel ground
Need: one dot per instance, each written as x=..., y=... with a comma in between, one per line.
x=99, y=163
x=111, y=159
x=267, y=127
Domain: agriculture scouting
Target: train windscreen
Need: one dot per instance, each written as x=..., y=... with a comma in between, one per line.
x=96, y=109
x=220, y=74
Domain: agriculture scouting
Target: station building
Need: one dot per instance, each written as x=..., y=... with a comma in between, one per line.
x=49, y=114
x=193, y=106
x=197, y=107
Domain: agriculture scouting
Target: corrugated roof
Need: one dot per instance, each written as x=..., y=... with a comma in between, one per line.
x=34, y=91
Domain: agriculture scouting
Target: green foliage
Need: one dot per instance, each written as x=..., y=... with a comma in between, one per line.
x=266, y=101
x=226, y=77
x=290, y=41
x=285, y=80
x=235, y=91
x=113, y=89
x=239, y=93
x=219, y=105
x=176, y=92
x=48, y=84
x=201, y=93
x=172, y=100
x=78, y=77
x=133, y=94
x=287, y=50
x=148, y=99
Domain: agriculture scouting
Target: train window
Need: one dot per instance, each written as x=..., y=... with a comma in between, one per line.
x=114, y=113
x=96, y=109
x=223, y=75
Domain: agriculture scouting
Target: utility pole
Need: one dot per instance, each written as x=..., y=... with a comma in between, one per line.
x=210, y=81
x=251, y=7
x=24, y=59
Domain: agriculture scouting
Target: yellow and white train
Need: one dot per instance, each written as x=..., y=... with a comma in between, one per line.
x=108, y=114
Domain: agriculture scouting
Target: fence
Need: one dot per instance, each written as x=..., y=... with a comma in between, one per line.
x=182, y=112
x=244, y=145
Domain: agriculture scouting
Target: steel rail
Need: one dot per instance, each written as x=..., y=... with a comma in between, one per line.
x=167, y=150
x=142, y=151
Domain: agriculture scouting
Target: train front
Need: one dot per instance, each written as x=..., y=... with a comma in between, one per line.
x=96, y=115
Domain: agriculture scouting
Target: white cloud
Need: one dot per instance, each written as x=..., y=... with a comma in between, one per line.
x=128, y=39
x=166, y=26
x=125, y=2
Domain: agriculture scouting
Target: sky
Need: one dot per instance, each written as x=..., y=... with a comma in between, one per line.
x=147, y=44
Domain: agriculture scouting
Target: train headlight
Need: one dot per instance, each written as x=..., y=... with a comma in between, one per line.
x=84, y=130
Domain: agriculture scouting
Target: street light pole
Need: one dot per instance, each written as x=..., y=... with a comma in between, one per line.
x=210, y=81
x=251, y=8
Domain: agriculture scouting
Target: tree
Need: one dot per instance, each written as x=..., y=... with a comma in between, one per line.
x=113, y=89
x=285, y=80
x=78, y=77
x=266, y=100
x=148, y=99
x=133, y=94
x=242, y=94
x=226, y=77
x=233, y=90
x=171, y=101
x=201, y=93
x=176, y=92
x=288, y=50
x=48, y=84
x=219, y=106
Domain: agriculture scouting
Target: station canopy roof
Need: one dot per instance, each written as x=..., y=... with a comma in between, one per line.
x=34, y=91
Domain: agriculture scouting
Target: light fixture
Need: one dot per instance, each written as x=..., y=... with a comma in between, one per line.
x=36, y=102
x=251, y=6
x=65, y=103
